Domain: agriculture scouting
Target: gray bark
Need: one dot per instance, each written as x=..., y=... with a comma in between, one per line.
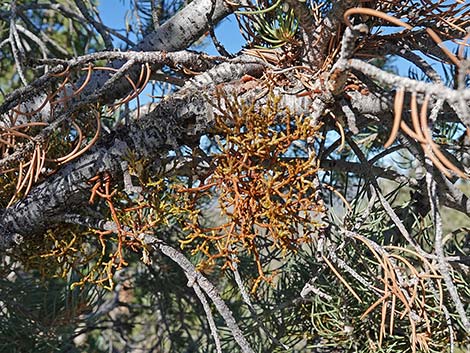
x=179, y=119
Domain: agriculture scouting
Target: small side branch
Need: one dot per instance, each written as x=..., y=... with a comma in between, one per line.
x=246, y=299
x=435, y=89
x=196, y=278
x=210, y=318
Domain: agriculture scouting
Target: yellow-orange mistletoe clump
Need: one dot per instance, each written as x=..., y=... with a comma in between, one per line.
x=264, y=179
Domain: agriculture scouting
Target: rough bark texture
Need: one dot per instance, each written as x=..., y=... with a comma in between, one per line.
x=178, y=119
x=360, y=116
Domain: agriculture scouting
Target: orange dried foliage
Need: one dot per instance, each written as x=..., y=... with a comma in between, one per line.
x=42, y=148
x=267, y=199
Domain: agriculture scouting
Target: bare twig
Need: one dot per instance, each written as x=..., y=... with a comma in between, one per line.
x=196, y=277
x=438, y=240
x=210, y=318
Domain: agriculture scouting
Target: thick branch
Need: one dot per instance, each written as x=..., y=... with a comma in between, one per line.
x=179, y=32
x=178, y=120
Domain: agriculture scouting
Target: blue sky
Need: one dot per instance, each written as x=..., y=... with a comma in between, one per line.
x=114, y=12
